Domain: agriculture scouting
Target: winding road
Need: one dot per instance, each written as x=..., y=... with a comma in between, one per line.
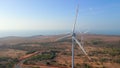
x=22, y=59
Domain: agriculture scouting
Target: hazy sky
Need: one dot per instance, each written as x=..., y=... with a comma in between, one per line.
x=44, y=15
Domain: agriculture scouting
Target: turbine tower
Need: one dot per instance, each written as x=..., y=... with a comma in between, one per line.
x=74, y=39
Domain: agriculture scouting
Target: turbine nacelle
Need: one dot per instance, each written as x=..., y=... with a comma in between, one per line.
x=74, y=34
x=76, y=41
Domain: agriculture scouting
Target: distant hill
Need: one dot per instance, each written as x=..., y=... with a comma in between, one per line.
x=10, y=40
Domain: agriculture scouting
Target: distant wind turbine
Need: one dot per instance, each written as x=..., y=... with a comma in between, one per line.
x=82, y=37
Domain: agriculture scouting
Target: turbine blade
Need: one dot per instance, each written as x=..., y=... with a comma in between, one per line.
x=77, y=10
x=63, y=37
x=85, y=32
x=82, y=48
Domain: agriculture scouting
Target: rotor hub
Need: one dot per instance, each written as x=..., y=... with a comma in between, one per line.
x=74, y=35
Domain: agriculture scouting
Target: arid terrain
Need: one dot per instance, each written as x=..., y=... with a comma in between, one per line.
x=45, y=52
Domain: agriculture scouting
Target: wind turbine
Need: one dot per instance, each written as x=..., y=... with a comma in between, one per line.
x=82, y=37
x=74, y=39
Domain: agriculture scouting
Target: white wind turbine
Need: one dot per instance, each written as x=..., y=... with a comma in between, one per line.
x=82, y=37
x=74, y=39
